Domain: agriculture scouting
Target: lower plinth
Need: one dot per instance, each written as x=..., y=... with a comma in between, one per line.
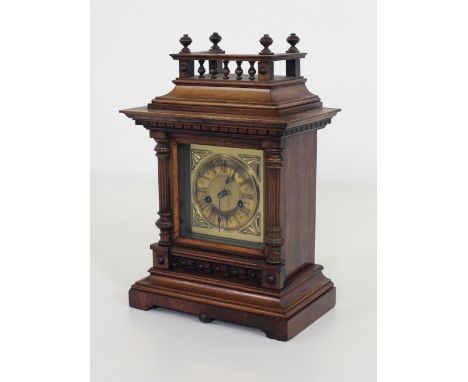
x=280, y=314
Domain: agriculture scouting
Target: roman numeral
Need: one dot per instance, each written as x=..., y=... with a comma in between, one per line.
x=202, y=190
x=223, y=165
x=247, y=196
x=212, y=168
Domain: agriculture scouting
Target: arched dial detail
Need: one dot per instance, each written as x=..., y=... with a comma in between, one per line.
x=225, y=194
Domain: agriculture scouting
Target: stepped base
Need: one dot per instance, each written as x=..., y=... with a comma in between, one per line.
x=280, y=314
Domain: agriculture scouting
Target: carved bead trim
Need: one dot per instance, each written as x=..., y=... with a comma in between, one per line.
x=217, y=270
x=252, y=131
x=310, y=126
x=249, y=131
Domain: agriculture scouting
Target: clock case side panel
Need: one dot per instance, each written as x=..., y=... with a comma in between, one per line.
x=297, y=202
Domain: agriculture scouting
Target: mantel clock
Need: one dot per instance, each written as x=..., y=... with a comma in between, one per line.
x=237, y=160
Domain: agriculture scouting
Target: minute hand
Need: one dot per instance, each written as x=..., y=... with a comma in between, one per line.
x=224, y=192
x=231, y=177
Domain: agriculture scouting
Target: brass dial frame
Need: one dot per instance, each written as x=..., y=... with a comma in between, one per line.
x=252, y=162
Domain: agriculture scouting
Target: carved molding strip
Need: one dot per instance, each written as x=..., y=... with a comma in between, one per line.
x=215, y=270
x=309, y=126
x=250, y=131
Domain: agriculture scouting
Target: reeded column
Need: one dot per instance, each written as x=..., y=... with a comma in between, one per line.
x=273, y=239
x=165, y=222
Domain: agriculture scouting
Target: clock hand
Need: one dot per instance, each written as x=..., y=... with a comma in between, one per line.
x=228, y=180
x=224, y=192
x=231, y=177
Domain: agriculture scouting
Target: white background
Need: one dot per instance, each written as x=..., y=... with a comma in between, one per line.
x=44, y=203
x=130, y=46
x=130, y=65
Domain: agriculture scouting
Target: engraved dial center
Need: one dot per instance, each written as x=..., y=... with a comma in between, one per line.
x=229, y=193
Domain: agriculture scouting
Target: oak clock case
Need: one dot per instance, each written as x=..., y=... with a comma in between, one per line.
x=237, y=155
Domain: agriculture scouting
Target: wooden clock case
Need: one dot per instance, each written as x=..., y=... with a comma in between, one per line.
x=279, y=288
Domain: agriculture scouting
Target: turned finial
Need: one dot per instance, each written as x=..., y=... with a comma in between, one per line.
x=266, y=41
x=215, y=38
x=292, y=40
x=185, y=40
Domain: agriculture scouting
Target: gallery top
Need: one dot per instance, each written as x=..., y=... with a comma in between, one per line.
x=228, y=100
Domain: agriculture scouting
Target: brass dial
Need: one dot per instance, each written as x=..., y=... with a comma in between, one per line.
x=225, y=193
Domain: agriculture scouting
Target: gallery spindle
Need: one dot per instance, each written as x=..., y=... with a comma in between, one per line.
x=226, y=70
x=239, y=70
x=252, y=70
x=201, y=69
